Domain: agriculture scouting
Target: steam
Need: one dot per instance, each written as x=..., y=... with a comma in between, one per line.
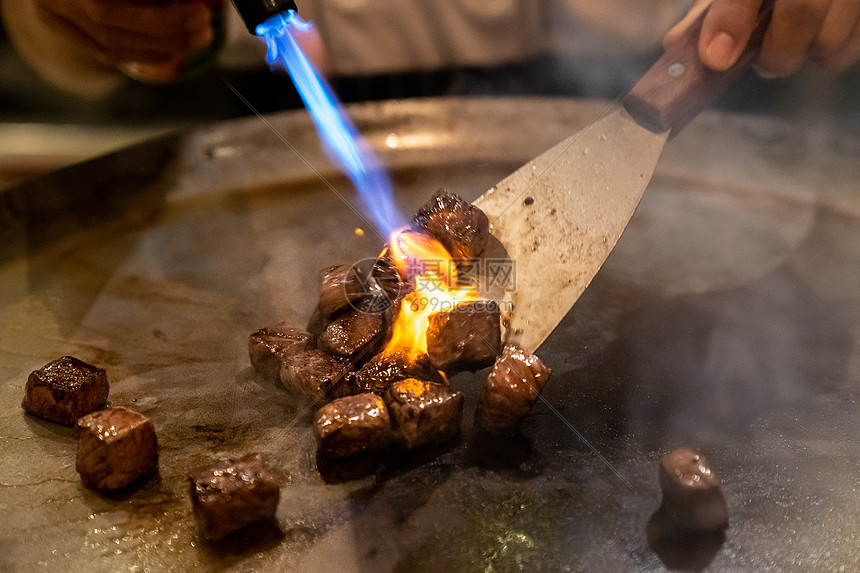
x=342, y=141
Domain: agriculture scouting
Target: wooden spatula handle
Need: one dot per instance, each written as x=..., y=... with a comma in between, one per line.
x=679, y=85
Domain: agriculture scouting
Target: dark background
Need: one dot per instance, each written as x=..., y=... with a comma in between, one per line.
x=810, y=96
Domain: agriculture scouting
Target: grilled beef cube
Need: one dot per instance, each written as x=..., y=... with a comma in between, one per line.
x=339, y=287
x=423, y=413
x=116, y=447
x=462, y=228
x=313, y=373
x=389, y=366
x=357, y=333
x=467, y=337
x=511, y=389
x=352, y=426
x=270, y=346
x=233, y=494
x=65, y=389
x=692, y=498
x=386, y=285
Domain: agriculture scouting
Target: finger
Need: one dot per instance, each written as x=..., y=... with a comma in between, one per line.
x=846, y=57
x=837, y=29
x=113, y=40
x=110, y=46
x=106, y=55
x=678, y=29
x=726, y=31
x=157, y=20
x=147, y=19
x=793, y=27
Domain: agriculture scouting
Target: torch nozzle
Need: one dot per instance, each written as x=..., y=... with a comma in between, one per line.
x=255, y=12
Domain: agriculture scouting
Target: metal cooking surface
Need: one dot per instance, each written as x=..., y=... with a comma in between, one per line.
x=727, y=318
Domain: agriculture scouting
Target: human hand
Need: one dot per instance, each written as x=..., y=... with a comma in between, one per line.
x=141, y=31
x=824, y=31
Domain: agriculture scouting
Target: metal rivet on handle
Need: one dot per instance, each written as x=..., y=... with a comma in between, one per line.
x=676, y=69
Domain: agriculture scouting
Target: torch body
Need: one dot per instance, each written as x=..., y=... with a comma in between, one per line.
x=255, y=12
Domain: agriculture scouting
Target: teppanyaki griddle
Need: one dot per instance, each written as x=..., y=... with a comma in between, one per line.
x=727, y=318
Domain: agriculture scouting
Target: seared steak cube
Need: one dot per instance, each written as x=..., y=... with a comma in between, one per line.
x=269, y=346
x=352, y=426
x=462, y=228
x=467, y=337
x=313, y=373
x=386, y=285
x=692, y=498
x=423, y=412
x=116, y=447
x=65, y=389
x=233, y=494
x=389, y=366
x=512, y=387
x=356, y=333
x=339, y=287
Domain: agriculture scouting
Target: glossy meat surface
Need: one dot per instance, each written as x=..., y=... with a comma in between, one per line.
x=692, y=497
x=314, y=374
x=270, y=346
x=462, y=228
x=233, y=494
x=339, y=287
x=116, y=447
x=467, y=337
x=355, y=333
x=352, y=426
x=423, y=412
x=511, y=389
x=65, y=389
x=388, y=367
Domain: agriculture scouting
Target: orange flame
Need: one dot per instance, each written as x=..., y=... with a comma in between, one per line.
x=434, y=276
x=414, y=254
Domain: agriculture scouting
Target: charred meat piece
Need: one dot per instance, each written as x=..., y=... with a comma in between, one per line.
x=65, y=389
x=339, y=287
x=423, y=413
x=116, y=447
x=467, y=337
x=511, y=389
x=357, y=332
x=352, y=426
x=270, y=346
x=692, y=498
x=313, y=373
x=462, y=228
x=389, y=366
x=233, y=494
x=386, y=285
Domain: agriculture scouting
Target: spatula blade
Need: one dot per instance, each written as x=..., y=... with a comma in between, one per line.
x=556, y=219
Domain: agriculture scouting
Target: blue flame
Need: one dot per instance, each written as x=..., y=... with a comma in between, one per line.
x=342, y=141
